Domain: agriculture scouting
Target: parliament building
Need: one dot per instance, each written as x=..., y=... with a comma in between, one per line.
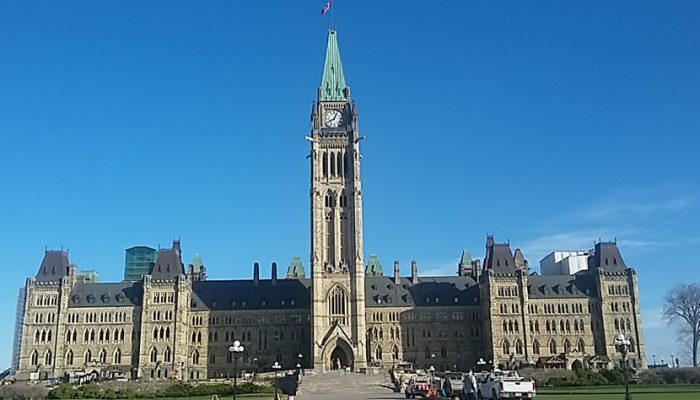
x=174, y=323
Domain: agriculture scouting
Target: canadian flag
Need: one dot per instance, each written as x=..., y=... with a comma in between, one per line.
x=327, y=7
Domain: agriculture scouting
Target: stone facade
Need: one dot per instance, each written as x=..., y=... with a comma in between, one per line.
x=176, y=324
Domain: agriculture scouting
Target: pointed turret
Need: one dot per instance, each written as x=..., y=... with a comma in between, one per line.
x=333, y=87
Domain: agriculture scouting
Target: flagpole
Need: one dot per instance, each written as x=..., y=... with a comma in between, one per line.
x=332, y=16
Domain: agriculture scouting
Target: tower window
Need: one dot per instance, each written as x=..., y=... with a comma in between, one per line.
x=337, y=305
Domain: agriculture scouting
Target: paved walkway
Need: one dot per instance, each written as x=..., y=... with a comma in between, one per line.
x=347, y=385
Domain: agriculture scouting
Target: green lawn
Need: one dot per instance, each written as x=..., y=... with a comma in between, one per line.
x=663, y=392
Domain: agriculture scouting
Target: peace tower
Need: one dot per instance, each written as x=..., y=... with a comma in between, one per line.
x=338, y=298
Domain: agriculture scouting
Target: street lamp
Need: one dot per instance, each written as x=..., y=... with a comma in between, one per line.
x=235, y=351
x=255, y=361
x=300, y=357
x=653, y=357
x=432, y=378
x=622, y=345
x=276, y=366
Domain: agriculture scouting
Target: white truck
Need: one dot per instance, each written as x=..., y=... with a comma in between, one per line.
x=506, y=385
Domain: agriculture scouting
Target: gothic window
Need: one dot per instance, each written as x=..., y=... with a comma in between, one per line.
x=575, y=325
x=121, y=335
x=632, y=347
x=69, y=357
x=337, y=305
x=580, y=346
x=567, y=346
x=199, y=337
x=155, y=334
x=536, y=347
x=518, y=347
x=548, y=327
x=617, y=325
x=35, y=358
x=580, y=324
x=87, y=357
x=195, y=357
x=516, y=326
x=332, y=160
x=154, y=355
x=103, y=356
x=427, y=352
x=166, y=354
x=117, y=356
x=378, y=353
x=537, y=326
x=629, y=327
x=505, y=347
x=325, y=165
x=568, y=326
x=48, y=357
x=552, y=347
x=167, y=333
x=561, y=326
x=395, y=353
x=443, y=352
x=340, y=164
x=505, y=327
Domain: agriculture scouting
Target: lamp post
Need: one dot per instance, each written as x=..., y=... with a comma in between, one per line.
x=432, y=378
x=235, y=351
x=653, y=357
x=300, y=358
x=276, y=366
x=622, y=345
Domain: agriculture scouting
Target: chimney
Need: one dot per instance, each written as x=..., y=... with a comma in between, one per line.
x=274, y=274
x=256, y=274
x=414, y=272
x=176, y=246
x=397, y=272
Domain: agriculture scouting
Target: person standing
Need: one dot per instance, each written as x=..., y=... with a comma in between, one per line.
x=470, y=386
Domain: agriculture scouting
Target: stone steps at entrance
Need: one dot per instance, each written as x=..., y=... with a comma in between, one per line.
x=339, y=383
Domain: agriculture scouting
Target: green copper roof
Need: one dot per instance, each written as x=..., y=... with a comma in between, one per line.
x=333, y=82
x=296, y=268
x=466, y=258
x=374, y=268
x=197, y=262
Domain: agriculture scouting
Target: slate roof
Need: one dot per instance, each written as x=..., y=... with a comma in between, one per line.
x=499, y=257
x=244, y=295
x=54, y=266
x=381, y=291
x=121, y=294
x=606, y=255
x=168, y=265
x=580, y=285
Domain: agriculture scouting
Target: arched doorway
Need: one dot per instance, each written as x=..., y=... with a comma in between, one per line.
x=576, y=365
x=339, y=358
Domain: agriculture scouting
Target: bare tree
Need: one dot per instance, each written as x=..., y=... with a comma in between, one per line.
x=682, y=306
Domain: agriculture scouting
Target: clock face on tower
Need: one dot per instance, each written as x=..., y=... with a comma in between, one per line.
x=333, y=118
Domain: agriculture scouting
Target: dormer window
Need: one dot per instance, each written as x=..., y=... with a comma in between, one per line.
x=91, y=298
x=263, y=303
x=105, y=298
x=427, y=299
x=213, y=304
x=437, y=299
x=606, y=262
x=233, y=303
x=291, y=302
x=243, y=303
x=456, y=299
x=76, y=298
x=119, y=298
x=284, y=303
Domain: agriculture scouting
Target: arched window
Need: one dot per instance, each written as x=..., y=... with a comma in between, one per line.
x=195, y=357
x=505, y=327
x=121, y=335
x=395, y=353
x=617, y=324
x=580, y=346
x=103, y=356
x=580, y=324
x=166, y=354
x=505, y=347
x=92, y=335
x=518, y=347
x=43, y=336
x=629, y=327
x=48, y=357
x=568, y=326
x=535, y=347
x=167, y=333
x=69, y=357
x=332, y=160
x=199, y=337
x=510, y=326
x=154, y=355
x=443, y=352
x=107, y=335
x=537, y=326
x=575, y=325
x=567, y=346
x=561, y=326
x=632, y=347
x=339, y=163
x=378, y=353
x=87, y=357
x=427, y=352
x=117, y=356
x=337, y=305
x=35, y=358
x=325, y=165
x=552, y=347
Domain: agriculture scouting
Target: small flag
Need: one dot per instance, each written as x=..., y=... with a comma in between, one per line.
x=327, y=7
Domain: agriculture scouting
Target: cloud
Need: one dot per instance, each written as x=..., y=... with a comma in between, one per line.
x=638, y=208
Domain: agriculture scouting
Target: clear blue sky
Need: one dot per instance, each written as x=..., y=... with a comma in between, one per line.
x=549, y=124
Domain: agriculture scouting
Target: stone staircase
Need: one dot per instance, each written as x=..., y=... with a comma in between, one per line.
x=339, y=384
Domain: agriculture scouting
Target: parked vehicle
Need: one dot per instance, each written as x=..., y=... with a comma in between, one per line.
x=506, y=385
x=453, y=384
x=417, y=386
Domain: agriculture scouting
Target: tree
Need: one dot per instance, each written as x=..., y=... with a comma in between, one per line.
x=682, y=306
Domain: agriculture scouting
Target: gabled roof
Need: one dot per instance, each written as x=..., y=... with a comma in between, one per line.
x=244, y=295
x=121, y=294
x=54, y=266
x=441, y=291
x=333, y=81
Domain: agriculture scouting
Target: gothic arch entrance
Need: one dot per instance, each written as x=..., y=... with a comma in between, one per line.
x=339, y=355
